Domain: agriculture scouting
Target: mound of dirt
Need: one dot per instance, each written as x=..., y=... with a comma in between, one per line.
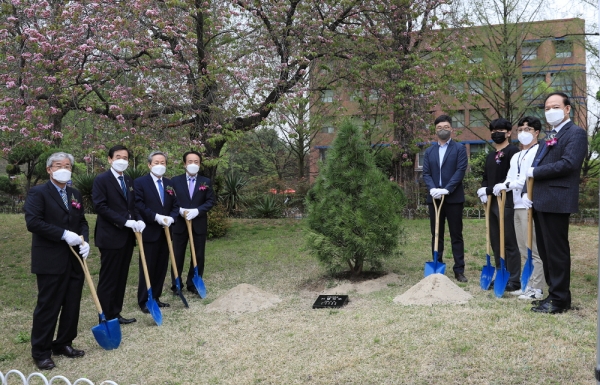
x=364, y=287
x=243, y=298
x=435, y=289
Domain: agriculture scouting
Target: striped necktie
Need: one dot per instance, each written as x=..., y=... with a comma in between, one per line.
x=63, y=195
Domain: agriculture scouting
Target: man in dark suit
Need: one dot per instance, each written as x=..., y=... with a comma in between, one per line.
x=55, y=216
x=114, y=202
x=156, y=201
x=444, y=166
x=556, y=169
x=196, y=198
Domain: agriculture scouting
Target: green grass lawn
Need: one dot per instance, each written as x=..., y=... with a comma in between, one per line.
x=370, y=341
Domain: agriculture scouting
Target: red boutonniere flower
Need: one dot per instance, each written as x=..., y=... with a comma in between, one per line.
x=499, y=156
x=551, y=142
x=170, y=190
x=75, y=203
x=203, y=186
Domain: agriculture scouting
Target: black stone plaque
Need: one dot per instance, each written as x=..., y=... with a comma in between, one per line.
x=330, y=301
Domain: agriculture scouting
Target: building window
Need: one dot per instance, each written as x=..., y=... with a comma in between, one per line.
x=476, y=55
x=475, y=87
x=322, y=154
x=562, y=82
x=458, y=119
x=373, y=95
x=476, y=148
x=356, y=95
x=328, y=129
x=327, y=96
x=536, y=111
x=457, y=87
x=564, y=49
x=421, y=159
x=534, y=86
x=529, y=52
x=477, y=119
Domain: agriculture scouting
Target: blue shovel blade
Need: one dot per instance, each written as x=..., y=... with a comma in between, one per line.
x=153, y=308
x=527, y=270
x=487, y=274
x=434, y=267
x=107, y=333
x=199, y=283
x=179, y=293
x=502, y=276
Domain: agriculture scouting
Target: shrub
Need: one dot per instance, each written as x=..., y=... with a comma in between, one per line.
x=231, y=197
x=354, y=211
x=84, y=183
x=267, y=206
x=218, y=222
x=7, y=186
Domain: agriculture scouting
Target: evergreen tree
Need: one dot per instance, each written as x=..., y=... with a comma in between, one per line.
x=354, y=211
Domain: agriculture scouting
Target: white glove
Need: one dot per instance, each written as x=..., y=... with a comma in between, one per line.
x=84, y=250
x=434, y=193
x=482, y=192
x=164, y=220
x=130, y=224
x=140, y=226
x=498, y=188
x=443, y=191
x=182, y=211
x=530, y=172
x=192, y=213
x=526, y=201
x=516, y=185
x=71, y=238
x=483, y=199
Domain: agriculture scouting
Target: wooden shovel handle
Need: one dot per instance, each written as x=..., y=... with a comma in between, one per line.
x=530, y=214
x=501, y=203
x=488, y=206
x=437, y=222
x=171, y=253
x=138, y=236
x=188, y=223
x=88, y=277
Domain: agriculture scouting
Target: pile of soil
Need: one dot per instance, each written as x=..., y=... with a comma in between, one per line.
x=243, y=298
x=364, y=287
x=435, y=289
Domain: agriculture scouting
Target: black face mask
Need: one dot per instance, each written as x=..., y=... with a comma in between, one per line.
x=498, y=137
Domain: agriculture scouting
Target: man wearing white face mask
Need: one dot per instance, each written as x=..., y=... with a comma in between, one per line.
x=156, y=200
x=196, y=198
x=114, y=202
x=529, y=128
x=54, y=214
x=556, y=170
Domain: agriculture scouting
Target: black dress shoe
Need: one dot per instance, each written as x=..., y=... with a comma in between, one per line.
x=512, y=287
x=162, y=304
x=174, y=289
x=549, y=308
x=539, y=302
x=45, y=364
x=460, y=277
x=68, y=351
x=145, y=310
x=125, y=321
x=192, y=290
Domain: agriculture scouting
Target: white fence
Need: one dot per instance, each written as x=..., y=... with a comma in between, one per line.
x=18, y=378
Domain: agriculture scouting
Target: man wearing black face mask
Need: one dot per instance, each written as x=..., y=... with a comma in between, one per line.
x=496, y=169
x=444, y=168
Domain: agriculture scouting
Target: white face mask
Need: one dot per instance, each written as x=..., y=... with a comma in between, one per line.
x=525, y=138
x=555, y=116
x=120, y=165
x=159, y=170
x=192, y=169
x=62, y=175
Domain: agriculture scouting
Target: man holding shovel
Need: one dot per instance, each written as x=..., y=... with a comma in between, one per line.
x=444, y=168
x=196, y=198
x=55, y=216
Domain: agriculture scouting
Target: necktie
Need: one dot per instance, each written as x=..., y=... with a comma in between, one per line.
x=123, y=186
x=539, y=158
x=191, y=188
x=63, y=195
x=161, y=190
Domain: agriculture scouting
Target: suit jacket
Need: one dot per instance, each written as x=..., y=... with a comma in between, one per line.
x=454, y=166
x=113, y=210
x=148, y=203
x=47, y=218
x=203, y=200
x=556, y=176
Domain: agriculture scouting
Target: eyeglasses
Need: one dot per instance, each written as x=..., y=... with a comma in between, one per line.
x=524, y=129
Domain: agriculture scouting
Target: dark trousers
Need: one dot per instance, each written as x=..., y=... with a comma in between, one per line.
x=552, y=231
x=511, y=256
x=59, y=298
x=157, y=261
x=112, y=281
x=180, y=242
x=452, y=212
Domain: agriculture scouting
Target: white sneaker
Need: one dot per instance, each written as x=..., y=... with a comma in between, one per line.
x=532, y=294
x=518, y=292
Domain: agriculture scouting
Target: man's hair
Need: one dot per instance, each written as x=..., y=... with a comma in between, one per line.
x=191, y=152
x=500, y=124
x=60, y=156
x=565, y=97
x=116, y=148
x=443, y=118
x=156, y=153
x=531, y=121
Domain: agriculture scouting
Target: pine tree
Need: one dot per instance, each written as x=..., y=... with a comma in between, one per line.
x=354, y=211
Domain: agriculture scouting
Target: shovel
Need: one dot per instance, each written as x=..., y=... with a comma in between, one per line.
x=528, y=267
x=174, y=267
x=151, y=304
x=436, y=267
x=197, y=280
x=487, y=272
x=106, y=333
x=502, y=275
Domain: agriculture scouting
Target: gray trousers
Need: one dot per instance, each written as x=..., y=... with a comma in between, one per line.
x=537, y=277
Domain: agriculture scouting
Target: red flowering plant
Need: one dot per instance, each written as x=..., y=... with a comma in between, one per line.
x=203, y=186
x=75, y=203
x=170, y=190
x=551, y=142
x=499, y=156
